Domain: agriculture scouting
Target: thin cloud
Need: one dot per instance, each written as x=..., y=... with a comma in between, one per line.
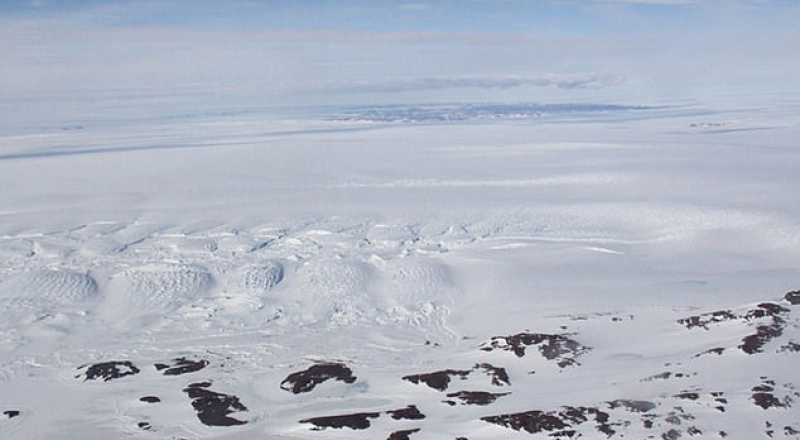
x=643, y=2
x=650, y=2
x=415, y=7
x=567, y=82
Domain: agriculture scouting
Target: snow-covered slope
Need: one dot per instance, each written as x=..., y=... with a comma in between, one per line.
x=631, y=274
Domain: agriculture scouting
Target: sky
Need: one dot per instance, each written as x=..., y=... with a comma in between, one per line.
x=86, y=57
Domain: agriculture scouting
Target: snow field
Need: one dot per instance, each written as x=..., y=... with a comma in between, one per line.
x=255, y=250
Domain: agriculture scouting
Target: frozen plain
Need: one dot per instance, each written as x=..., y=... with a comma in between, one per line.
x=613, y=264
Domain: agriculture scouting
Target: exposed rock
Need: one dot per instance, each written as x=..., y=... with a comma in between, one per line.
x=716, y=350
x=530, y=421
x=213, y=408
x=353, y=421
x=559, y=423
x=765, y=309
x=764, y=395
x=680, y=414
x=555, y=347
x=720, y=401
x=767, y=400
x=408, y=413
x=476, y=397
x=664, y=375
x=751, y=344
x=402, y=435
x=149, y=399
x=305, y=381
x=144, y=426
x=693, y=430
x=703, y=320
x=438, y=380
x=792, y=346
x=11, y=413
x=181, y=366
x=637, y=406
x=754, y=343
x=110, y=370
x=688, y=395
x=793, y=298
x=672, y=419
x=498, y=374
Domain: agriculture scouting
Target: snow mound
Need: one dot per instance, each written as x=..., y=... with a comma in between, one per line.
x=155, y=288
x=30, y=295
x=52, y=286
x=335, y=291
x=258, y=278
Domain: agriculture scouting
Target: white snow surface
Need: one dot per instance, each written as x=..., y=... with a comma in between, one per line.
x=265, y=245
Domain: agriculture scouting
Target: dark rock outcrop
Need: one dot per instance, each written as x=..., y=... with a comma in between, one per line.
x=690, y=395
x=765, y=309
x=402, y=435
x=213, y=409
x=181, y=366
x=438, y=380
x=763, y=395
x=559, y=423
x=305, y=381
x=702, y=321
x=481, y=398
x=356, y=421
x=716, y=350
x=411, y=412
x=791, y=346
x=109, y=370
x=498, y=374
x=530, y=421
x=754, y=343
x=555, y=347
x=637, y=406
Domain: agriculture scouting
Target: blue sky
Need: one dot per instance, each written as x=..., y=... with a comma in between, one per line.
x=292, y=52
